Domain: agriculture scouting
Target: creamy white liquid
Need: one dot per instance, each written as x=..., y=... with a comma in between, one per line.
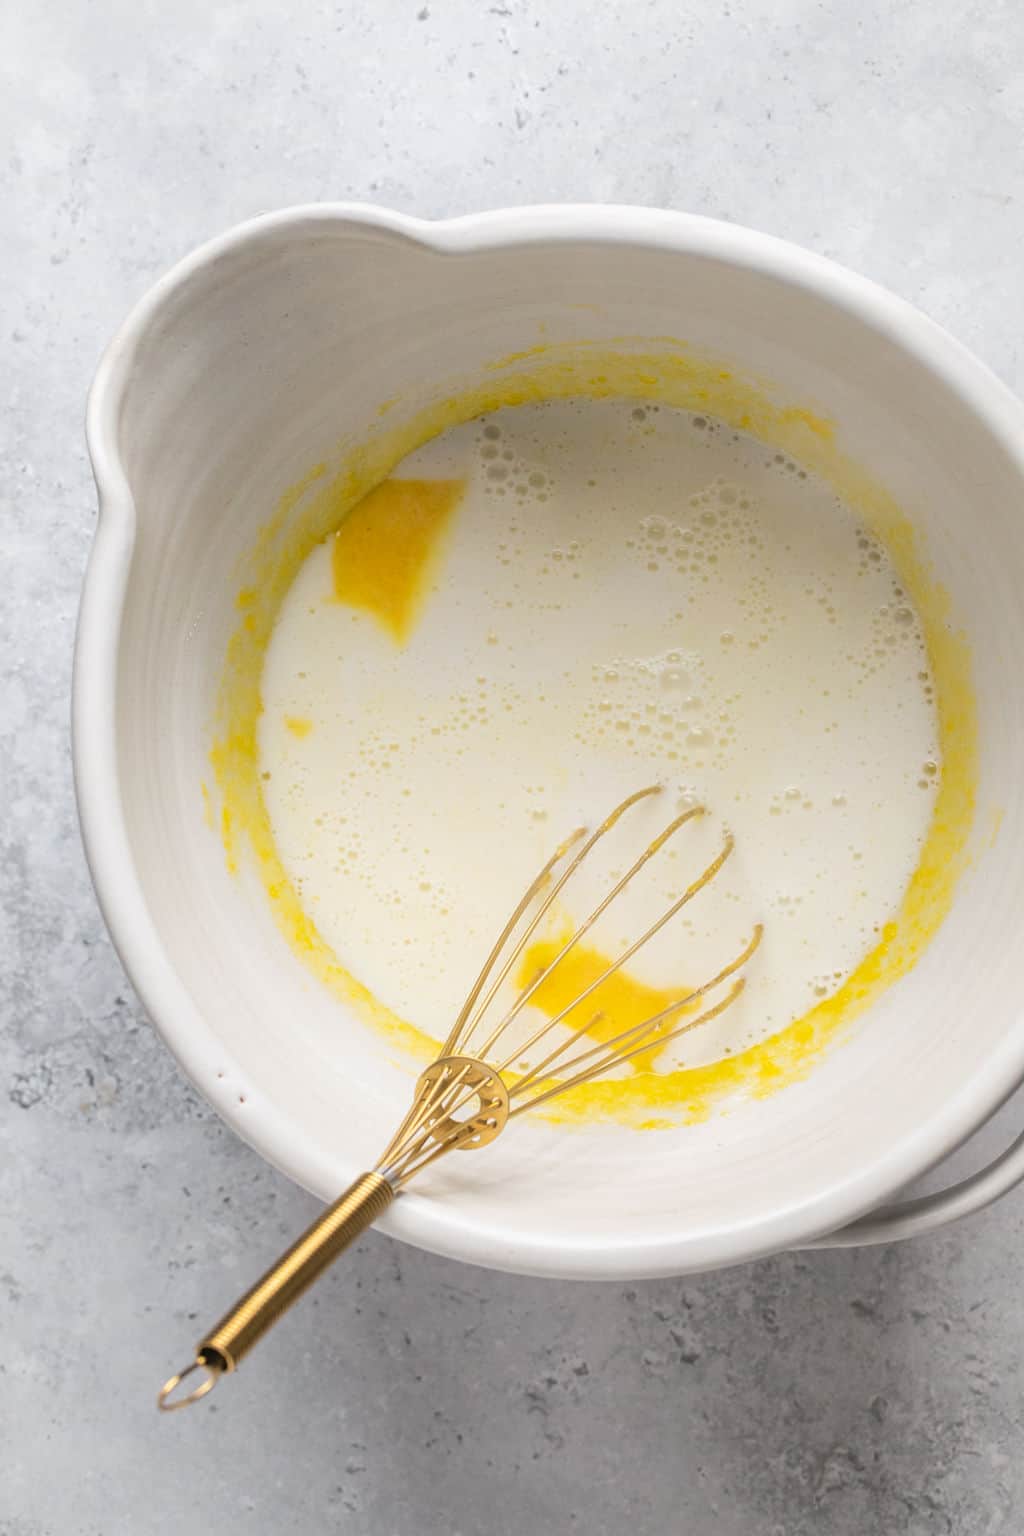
x=627, y=595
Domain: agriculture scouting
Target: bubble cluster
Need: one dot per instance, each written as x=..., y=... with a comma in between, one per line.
x=692, y=544
x=506, y=472
x=782, y=464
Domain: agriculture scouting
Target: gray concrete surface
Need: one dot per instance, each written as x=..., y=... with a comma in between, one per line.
x=839, y=1394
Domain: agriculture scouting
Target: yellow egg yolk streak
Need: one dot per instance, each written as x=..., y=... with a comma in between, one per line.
x=615, y=1004
x=384, y=550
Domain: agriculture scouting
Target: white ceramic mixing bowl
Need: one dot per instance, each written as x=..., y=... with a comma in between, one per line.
x=250, y=361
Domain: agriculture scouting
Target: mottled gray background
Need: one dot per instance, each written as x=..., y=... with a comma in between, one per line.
x=839, y=1394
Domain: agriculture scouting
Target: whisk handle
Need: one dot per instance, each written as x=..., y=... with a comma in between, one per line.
x=227, y=1344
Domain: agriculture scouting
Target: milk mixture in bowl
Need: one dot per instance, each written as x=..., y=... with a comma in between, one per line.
x=552, y=605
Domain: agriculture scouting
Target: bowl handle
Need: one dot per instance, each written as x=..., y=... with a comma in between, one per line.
x=909, y=1218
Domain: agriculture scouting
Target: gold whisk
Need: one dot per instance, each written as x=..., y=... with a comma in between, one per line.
x=464, y=1099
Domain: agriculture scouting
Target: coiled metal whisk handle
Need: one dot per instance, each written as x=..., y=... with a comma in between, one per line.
x=226, y=1345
